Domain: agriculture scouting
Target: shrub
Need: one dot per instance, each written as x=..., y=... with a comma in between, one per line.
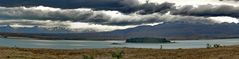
x=216, y=45
x=208, y=45
x=117, y=54
x=88, y=57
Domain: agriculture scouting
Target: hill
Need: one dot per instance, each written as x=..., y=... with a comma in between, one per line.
x=169, y=30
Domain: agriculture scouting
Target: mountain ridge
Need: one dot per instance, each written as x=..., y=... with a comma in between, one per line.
x=169, y=30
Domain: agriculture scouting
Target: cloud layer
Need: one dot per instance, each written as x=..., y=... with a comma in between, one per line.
x=64, y=3
x=57, y=26
x=208, y=10
x=109, y=15
x=105, y=17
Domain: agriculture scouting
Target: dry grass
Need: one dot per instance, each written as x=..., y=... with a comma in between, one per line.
x=231, y=52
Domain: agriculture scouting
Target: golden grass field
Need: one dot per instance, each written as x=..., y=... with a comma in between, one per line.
x=231, y=52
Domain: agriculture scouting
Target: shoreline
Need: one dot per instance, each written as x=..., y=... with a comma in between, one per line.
x=54, y=36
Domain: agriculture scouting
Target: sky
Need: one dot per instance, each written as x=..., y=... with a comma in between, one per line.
x=110, y=15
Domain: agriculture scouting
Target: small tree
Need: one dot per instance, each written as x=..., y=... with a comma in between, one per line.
x=117, y=54
x=4, y=36
x=88, y=57
x=208, y=45
x=216, y=45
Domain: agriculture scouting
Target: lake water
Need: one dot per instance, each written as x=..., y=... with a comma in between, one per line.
x=78, y=44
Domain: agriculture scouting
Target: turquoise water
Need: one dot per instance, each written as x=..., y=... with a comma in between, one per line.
x=78, y=44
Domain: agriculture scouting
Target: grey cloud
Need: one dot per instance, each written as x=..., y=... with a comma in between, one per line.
x=125, y=6
x=41, y=23
x=155, y=8
x=208, y=10
x=72, y=4
x=128, y=6
x=63, y=3
x=91, y=16
x=55, y=26
x=130, y=2
x=35, y=29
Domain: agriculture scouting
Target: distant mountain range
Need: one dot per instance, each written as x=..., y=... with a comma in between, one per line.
x=181, y=30
x=35, y=29
x=169, y=30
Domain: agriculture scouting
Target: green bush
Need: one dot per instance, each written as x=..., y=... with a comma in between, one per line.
x=216, y=45
x=208, y=45
x=88, y=57
x=213, y=46
x=117, y=55
x=161, y=46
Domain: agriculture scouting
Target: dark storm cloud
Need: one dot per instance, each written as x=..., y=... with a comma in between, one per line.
x=129, y=6
x=125, y=6
x=72, y=4
x=130, y=12
x=63, y=3
x=91, y=16
x=208, y=10
x=34, y=23
x=152, y=8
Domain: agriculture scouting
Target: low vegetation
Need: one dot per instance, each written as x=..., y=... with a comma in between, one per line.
x=87, y=57
x=231, y=52
x=117, y=54
x=213, y=46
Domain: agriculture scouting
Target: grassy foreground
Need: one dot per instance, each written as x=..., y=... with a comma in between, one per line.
x=231, y=52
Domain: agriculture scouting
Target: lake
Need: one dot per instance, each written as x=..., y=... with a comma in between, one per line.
x=79, y=44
